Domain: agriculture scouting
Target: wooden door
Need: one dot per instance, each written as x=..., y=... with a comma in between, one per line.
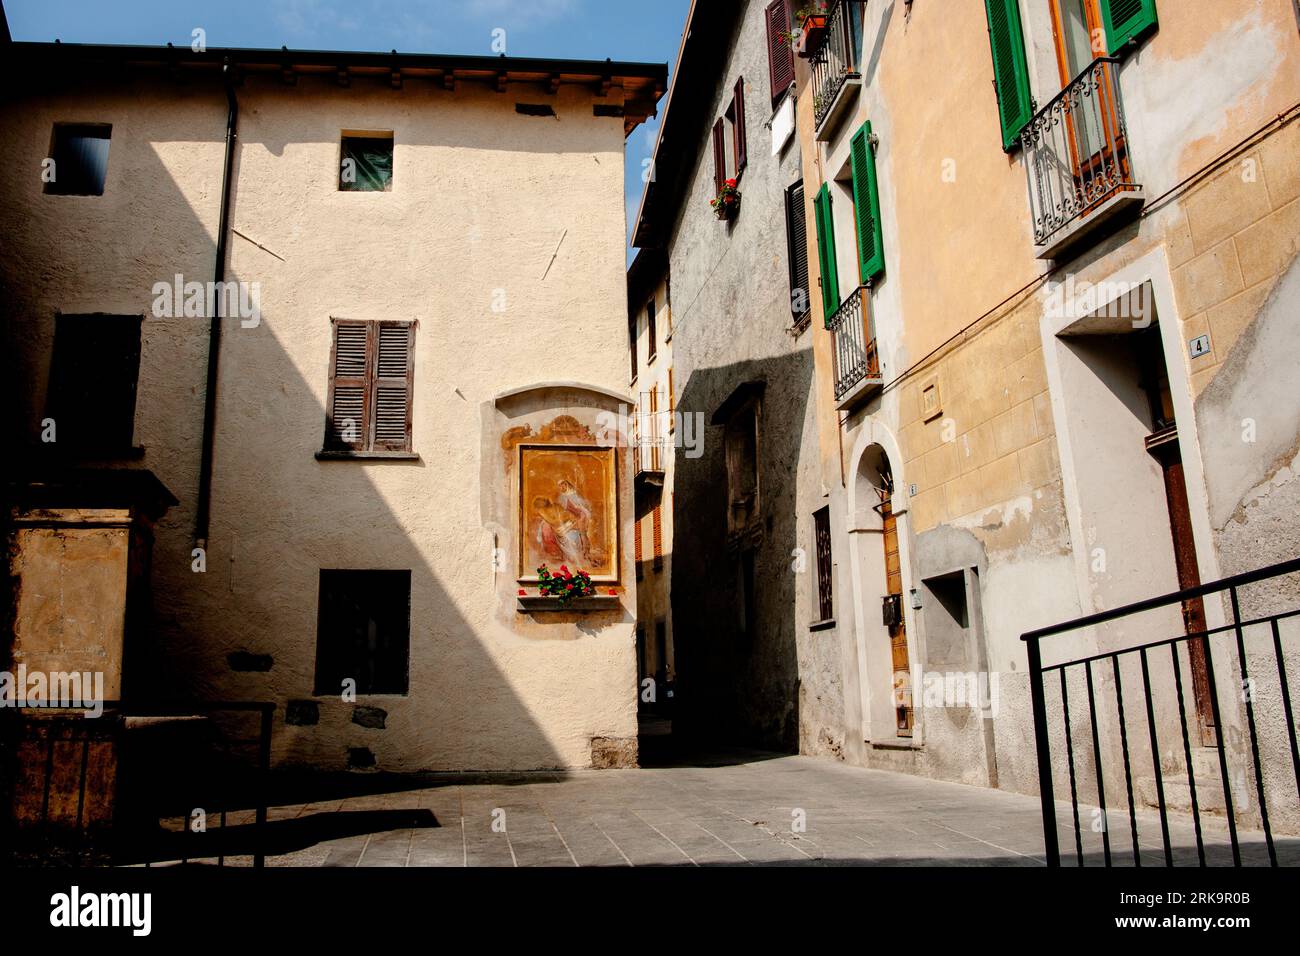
x=902, y=672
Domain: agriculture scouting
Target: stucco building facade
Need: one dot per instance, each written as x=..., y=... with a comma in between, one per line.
x=433, y=269
x=1055, y=279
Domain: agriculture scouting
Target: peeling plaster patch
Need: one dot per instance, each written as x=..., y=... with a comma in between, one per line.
x=1224, y=73
x=1029, y=524
x=1257, y=495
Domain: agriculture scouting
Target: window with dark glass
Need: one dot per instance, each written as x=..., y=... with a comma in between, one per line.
x=93, y=378
x=367, y=163
x=363, y=631
x=80, y=154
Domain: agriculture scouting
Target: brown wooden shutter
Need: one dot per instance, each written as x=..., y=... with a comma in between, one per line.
x=796, y=229
x=780, y=58
x=657, y=532
x=346, y=423
x=719, y=157
x=637, y=555
x=741, y=152
x=394, y=371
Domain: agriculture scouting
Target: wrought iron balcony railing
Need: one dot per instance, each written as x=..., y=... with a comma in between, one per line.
x=1076, y=151
x=856, y=358
x=834, y=61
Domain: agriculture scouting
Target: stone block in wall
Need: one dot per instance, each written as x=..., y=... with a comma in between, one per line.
x=1267, y=247
x=613, y=753
x=372, y=717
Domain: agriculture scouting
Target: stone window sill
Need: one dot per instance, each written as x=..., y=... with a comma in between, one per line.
x=344, y=455
x=533, y=604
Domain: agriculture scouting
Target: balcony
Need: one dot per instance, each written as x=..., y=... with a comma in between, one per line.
x=857, y=363
x=1077, y=158
x=650, y=444
x=835, y=76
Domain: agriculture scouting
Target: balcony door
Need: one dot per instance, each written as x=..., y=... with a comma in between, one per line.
x=1096, y=142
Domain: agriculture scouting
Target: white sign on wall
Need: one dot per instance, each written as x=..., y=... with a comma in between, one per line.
x=782, y=125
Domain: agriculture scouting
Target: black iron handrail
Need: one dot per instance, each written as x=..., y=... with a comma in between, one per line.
x=1198, y=638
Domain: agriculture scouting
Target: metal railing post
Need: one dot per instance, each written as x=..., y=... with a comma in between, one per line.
x=1051, y=845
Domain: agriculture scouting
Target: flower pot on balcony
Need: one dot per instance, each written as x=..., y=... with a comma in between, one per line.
x=811, y=34
x=727, y=210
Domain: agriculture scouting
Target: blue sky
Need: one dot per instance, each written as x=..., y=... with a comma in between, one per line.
x=579, y=29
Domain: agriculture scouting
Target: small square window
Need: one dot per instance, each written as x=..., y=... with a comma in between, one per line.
x=363, y=631
x=367, y=162
x=80, y=155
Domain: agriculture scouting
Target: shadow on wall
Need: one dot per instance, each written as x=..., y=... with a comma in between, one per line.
x=278, y=515
x=738, y=680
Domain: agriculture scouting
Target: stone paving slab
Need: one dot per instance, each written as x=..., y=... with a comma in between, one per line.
x=749, y=809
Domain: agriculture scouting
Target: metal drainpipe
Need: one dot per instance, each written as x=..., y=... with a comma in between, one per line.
x=204, y=509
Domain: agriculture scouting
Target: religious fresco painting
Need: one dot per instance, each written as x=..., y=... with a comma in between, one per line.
x=568, y=510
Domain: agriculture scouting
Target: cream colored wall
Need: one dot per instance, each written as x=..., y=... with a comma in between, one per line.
x=483, y=200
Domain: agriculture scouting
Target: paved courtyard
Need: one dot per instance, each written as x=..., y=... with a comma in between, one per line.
x=735, y=810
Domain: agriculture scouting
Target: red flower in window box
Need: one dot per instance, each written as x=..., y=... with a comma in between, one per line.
x=727, y=202
x=564, y=588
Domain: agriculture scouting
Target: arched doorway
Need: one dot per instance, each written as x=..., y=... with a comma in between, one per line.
x=884, y=645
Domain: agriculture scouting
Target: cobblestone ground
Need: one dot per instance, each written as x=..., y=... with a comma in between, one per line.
x=742, y=809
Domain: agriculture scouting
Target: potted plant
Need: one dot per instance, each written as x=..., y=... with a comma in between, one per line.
x=812, y=27
x=727, y=202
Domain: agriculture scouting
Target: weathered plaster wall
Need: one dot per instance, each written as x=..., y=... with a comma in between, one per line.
x=962, y=306
x=487, y=207
x=731, y=319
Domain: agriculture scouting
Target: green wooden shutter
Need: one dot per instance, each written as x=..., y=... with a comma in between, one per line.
x=826, y=253
x=1010, y=69
x=866, y=205
x=1126, y=20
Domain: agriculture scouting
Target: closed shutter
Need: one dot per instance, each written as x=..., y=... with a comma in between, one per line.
x=371, y=380
x=1010, y=69
x=637, y=549
x=1126, y=20
x=866, y=205
x=780, y=58
x=796, y=231
x=345, y=426
x=393, y=374
x=719, y=157
x=657, y=534
x=826, y=253
x=742, y=153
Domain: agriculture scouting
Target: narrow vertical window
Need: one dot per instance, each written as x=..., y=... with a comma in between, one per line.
x=825, y=576
x=653, y=345
x=631, y=344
